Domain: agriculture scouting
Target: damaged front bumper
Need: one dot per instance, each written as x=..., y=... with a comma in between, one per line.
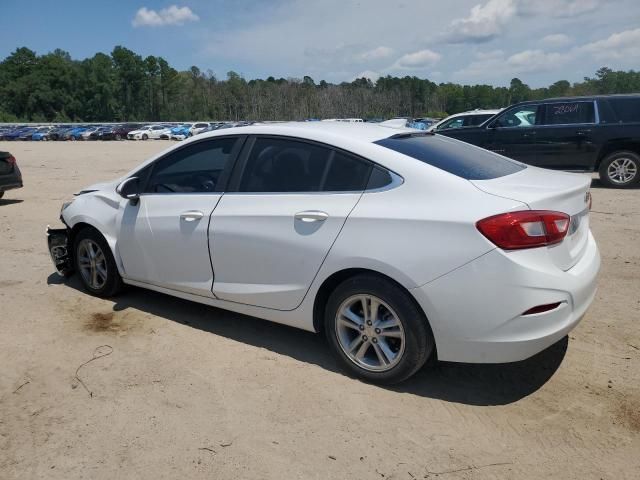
x=59, y=249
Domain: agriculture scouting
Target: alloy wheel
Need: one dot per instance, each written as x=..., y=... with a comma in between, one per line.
x=92, y=263
x=370, y=333
x=622, y=171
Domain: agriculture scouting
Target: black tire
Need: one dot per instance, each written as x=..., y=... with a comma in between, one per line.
x=118, y=137
x=418, y=338
x=145, y=136
x=608, y=174
x=113, y=283
x=1, y=194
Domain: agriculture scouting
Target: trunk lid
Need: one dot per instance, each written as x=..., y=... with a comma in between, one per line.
x=550, y=190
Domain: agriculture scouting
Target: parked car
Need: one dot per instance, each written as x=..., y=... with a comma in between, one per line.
x=148, y=132
x=42, y=133
x=408, y=224
x=58, y=133
x=97, y=133
x=10, y=176
x=26, y=133
x=86, y=133
x=74, y=133
x=472, y=118
x=16, y=133
x=597, y=133
x=180, y=132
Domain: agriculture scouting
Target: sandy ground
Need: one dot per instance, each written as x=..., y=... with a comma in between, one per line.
x=195, y=392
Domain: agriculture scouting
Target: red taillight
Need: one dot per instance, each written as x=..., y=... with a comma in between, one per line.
x=526, y=229
x=11, y=160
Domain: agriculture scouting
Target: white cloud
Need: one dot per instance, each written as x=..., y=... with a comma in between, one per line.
x=535, y=61
x=557, y=8
x=374, y=54
x=172, y=15
x=621, y=45
x=556, y=40
x=370, y=74
x=498, y=65
x=417, y=60
x=483, y=23
x=487, y=21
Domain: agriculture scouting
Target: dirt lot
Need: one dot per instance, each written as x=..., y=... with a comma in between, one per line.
x=194, y=392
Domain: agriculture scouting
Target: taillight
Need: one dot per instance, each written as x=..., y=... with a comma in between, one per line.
x=526, y=229
x=11, y=160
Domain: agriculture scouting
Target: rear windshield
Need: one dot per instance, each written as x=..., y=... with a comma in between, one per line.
x=453, y=156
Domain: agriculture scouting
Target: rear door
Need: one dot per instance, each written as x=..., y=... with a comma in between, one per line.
x=269, y=237
x=163, y=239
x=566, y=136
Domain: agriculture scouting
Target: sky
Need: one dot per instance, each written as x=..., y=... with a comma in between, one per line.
x=463, y=41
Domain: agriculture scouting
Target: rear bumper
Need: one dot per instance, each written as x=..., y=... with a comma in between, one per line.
x=11, y=180
x=476, y=311
x=59, y=249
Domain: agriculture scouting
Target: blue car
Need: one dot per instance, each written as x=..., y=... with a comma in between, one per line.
x=74, y=133
x=15, y=133
x=181, y=131
x=41, y=134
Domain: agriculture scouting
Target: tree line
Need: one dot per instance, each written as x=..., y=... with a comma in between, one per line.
x=124, y=86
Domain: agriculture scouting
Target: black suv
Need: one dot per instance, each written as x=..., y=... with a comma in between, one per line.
x=579, y=134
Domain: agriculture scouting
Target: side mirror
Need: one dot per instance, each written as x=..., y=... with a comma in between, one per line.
x=129, y=189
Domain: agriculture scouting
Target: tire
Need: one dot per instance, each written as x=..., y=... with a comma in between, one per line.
x=145, y=137
x=406, y=333
x=1, y=194
x=108, y=283
x=118, y=137
x=620, y=169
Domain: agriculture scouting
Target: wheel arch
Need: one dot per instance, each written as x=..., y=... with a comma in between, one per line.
x=613, y=146
x=336, y=278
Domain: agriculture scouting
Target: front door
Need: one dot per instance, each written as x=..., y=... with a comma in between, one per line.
x=514, y=134
x=270, y=237
x=163, y=239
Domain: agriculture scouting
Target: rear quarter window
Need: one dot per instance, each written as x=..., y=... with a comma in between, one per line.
x=625, y=109
x=452, y=156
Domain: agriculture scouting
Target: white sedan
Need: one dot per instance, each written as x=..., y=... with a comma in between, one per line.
x=147, y=132
x=398, y=245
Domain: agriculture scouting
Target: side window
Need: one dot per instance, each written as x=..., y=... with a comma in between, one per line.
x=524, y=116
x=568, y=113
x=346, y=174
x=626, y=110
x=196, y=168
x=453, y=123
x=280, y=165
x=379, y=178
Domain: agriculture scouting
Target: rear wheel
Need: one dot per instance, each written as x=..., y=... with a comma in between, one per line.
x=620, y=169
x=145, y=136
x=95, y=264
x=118, y=137
x=376, y=330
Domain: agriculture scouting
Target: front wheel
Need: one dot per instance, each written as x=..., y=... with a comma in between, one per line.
x=145, y=137
x=620, y=169
x=95, y=264
x=377, y=330
x=118, y=137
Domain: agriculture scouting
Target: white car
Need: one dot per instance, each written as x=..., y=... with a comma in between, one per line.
x=472, y=118
x=399, y=245
x=147, y=132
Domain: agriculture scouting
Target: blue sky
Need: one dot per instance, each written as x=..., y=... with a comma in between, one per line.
x=467, y=41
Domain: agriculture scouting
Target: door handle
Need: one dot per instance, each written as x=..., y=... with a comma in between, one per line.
x=583, y=132
x=527, y=135
x=311, y=216
x=191, y=215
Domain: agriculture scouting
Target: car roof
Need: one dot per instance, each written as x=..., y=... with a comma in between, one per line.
x=328, y=132
x=476, y=112
x=583, y=98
